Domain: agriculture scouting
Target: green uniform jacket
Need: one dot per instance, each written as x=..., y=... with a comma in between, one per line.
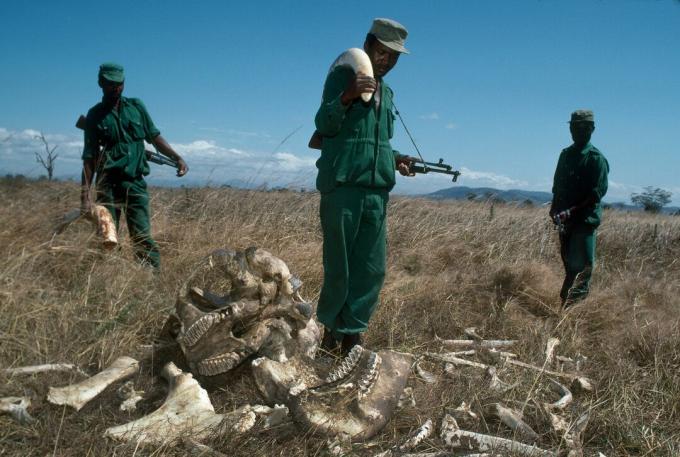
x=356, y=150
x=580, y=174
x=121, y=134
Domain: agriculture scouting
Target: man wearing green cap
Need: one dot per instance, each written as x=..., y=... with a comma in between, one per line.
x=578, y=187
x=356, y=173
x=115, y=132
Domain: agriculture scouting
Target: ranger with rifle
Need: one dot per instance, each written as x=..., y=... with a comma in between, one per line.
x=115, y=131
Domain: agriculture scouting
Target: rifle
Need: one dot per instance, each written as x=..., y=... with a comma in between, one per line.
x=151, y=156
x=416, y=165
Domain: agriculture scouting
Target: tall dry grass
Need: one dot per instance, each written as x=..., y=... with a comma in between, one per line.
x=451, y=265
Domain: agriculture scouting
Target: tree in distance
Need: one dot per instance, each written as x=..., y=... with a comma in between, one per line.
x=652, y=199
x=47, y=160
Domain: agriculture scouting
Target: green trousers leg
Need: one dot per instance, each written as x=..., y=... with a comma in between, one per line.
x=353, y=221
x=118, y=194
x=577, y=247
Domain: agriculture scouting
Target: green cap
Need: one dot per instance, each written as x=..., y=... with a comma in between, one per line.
x=112, y=72
x=582, y=115
x=390, y=33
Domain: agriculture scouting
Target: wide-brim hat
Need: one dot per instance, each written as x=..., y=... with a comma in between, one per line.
x=112, y=72
x=390, y=33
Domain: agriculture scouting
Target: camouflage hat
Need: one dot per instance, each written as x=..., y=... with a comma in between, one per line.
x=112, y=72
x=582, y=115
x=390, y=33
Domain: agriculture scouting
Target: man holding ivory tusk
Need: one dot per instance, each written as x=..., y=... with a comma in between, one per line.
x=356, y=173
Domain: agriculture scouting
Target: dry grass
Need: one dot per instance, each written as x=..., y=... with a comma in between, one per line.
x=451, y=265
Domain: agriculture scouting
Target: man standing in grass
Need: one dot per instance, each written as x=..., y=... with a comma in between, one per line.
x=356, y=173
x=115, y=131
x=578, y=187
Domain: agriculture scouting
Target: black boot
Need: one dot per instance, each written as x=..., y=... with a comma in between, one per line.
x=349, y=341
x=328, y=342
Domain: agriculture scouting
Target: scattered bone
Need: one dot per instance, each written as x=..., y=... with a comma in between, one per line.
x=425, y=375
x=472, y=333
x=200, y=450
x=33, y=369
x=550, y=350
x=77, y=395
x=464, y=413
x=495, y=383
x=581, y=384
x=564, y=401
x=473, y=343
x=186, y=411
x=455, y=360
x=17, y=407
x=569, y=376
x=494, y=356
x=457, y=438
x=422, y=433
x=273, y=416
x=406, y=398
x=130, y=396
x=512, y=419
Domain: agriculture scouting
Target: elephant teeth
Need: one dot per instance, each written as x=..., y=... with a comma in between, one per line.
x=347, y=365
x=368, y=379
x=200, y=328
x=218, y=365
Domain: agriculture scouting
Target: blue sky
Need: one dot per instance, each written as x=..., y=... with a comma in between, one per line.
x=488, y=85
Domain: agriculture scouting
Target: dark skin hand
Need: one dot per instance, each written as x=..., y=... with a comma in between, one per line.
x=112, y=91
x=581, y=132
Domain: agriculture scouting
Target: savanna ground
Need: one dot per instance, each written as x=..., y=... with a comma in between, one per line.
x=452, y=265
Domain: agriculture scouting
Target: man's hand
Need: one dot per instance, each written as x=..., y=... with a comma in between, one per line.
x=182, y=167
x=563, y=216
x=361, y=84
x=404, y=166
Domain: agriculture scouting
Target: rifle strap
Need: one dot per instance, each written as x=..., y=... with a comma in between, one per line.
x=396, y=111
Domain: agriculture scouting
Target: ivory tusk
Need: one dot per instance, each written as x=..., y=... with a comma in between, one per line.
x=358, y=60
x=17, y=407
x=77, y=395
x=457, y=439
x=33, y=369
x=512, y=419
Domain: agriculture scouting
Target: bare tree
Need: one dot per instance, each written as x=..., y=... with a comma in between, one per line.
x=47, y=161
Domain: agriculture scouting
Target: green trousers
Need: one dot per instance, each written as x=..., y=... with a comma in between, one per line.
x=577, y=247
x=353, y=221
x=120, y=193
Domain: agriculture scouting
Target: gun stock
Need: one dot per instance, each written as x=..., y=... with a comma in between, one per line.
x=151, y=156
x=421, y=167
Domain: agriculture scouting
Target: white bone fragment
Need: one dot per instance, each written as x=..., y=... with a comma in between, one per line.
x=33, y=369
x=564, y=401
x=358, y=60
x=512, y=419
x=425, y=375
x=457, y=439
x=473, y=343
x=273, y=416
x=130, y=396
x=106, y=228
x=186, y=411
x=464, y=411
x=550, y=350
x=77, y=395
x=406, y=398
x=569, y=376
x=17, y=407
x=422, y=433
x=472, y=333
x=494, y=356
x=455, y=360
x=494, y=382
x=581, y=384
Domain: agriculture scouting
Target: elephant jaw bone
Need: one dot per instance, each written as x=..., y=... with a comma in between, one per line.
x=366, y=384
x=357, y=60
x=186, y=411
x=77, y=395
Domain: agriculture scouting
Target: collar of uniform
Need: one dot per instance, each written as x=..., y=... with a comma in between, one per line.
x=583, y=151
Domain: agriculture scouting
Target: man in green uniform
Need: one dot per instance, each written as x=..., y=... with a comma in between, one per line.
x=356, y=173
x=115, y=131
x=578, y=187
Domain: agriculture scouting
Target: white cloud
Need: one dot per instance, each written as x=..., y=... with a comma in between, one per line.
x=291, y=162
x=206, y=149
x=487, y=178
x=451, y=126
x=430, y=117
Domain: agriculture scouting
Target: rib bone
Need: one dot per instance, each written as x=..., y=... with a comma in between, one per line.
x=512, y=419
x=42, y=369
x=187, y=411
x=550, y=350
x=565, y=400
x=77, y=395
x=457, y=438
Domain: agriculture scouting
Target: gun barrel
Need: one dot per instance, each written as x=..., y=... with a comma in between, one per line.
x=155, y=157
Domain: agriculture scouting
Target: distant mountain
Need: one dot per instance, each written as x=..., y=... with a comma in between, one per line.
x=486, y=193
